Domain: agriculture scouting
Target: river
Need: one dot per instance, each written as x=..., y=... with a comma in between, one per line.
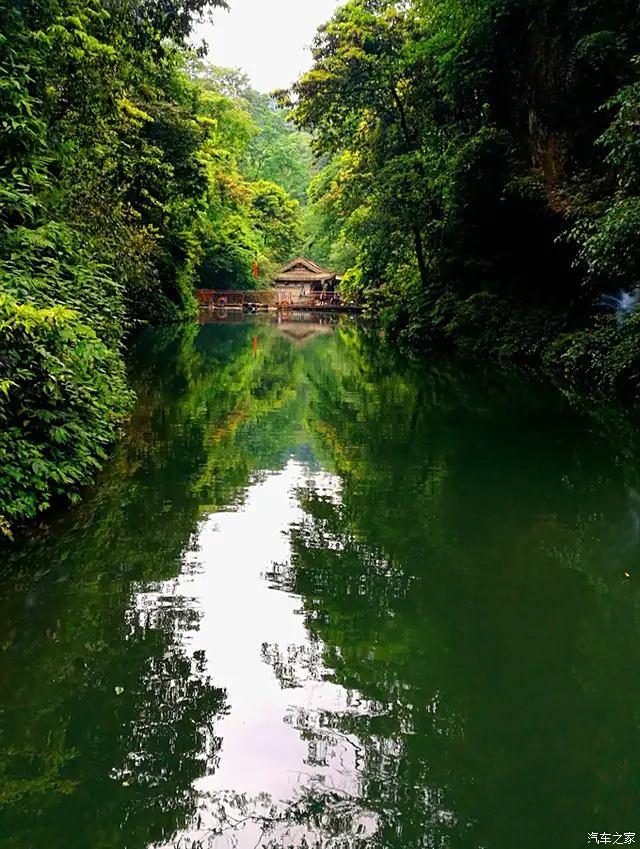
x=325, y=597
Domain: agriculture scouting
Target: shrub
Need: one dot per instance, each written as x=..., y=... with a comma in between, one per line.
x=63, y=394
x=604, y=358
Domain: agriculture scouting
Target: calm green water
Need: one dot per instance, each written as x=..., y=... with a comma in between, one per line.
x=324, y=598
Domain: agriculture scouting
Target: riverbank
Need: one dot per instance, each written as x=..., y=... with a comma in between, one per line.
x=596, y=358
x=121, y=194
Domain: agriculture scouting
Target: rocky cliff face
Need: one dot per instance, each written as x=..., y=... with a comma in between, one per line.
x=576, y=60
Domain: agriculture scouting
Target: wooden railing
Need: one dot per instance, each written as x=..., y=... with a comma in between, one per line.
x=235, y=297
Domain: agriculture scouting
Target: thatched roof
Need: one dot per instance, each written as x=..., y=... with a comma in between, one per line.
x=303, y=270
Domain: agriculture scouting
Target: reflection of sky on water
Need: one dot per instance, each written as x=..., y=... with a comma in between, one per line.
x=257, y=648
x=211, y=652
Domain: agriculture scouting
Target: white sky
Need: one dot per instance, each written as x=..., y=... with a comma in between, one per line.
x=268, y=39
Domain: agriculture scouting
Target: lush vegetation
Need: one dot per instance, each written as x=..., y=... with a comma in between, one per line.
x=483, y=189
x=476, y=177
x=130, y=173
x=259, y=170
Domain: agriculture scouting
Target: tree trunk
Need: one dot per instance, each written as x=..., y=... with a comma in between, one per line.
x=422, y=265
x=417, y=235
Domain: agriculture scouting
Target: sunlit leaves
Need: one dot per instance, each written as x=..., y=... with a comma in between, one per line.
x=102, y=189
x=64, y=397
x=449, y=111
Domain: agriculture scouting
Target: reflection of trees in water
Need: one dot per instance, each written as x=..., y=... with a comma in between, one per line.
x=319, y=818
x=352, y=598
x=293, y=665
x=461, y=585
x=439, y=589
x=105, y=738
x=107, y=721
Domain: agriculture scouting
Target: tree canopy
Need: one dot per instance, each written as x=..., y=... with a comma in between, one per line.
x=480, y=153
x=471, y=168
x=130, y=174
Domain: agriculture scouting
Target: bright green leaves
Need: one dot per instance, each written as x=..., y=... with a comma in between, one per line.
x=363, y=99
x=23, y=149
x=104, y=183
x=276, y=152
x=276, y=218
x=442, y=116
x=609, y=245
x=51, y=264
x=62, y=398
x=607, y=229
x=255, y=161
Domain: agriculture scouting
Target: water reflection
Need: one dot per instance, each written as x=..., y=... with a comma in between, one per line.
x=275, y=751
x=323, y=598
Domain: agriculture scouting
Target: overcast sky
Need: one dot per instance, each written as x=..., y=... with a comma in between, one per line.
x=268, y=39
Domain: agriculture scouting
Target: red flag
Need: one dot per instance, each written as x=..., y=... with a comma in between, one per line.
x=255, y=268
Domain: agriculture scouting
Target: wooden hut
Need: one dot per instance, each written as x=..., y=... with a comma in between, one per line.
x=301, y=281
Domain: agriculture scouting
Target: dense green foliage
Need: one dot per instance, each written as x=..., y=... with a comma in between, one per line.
x=259, y=171
x=485, y=173
x=128, y=177
x=63, y=398
x=476, y=179
x=101, y=191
